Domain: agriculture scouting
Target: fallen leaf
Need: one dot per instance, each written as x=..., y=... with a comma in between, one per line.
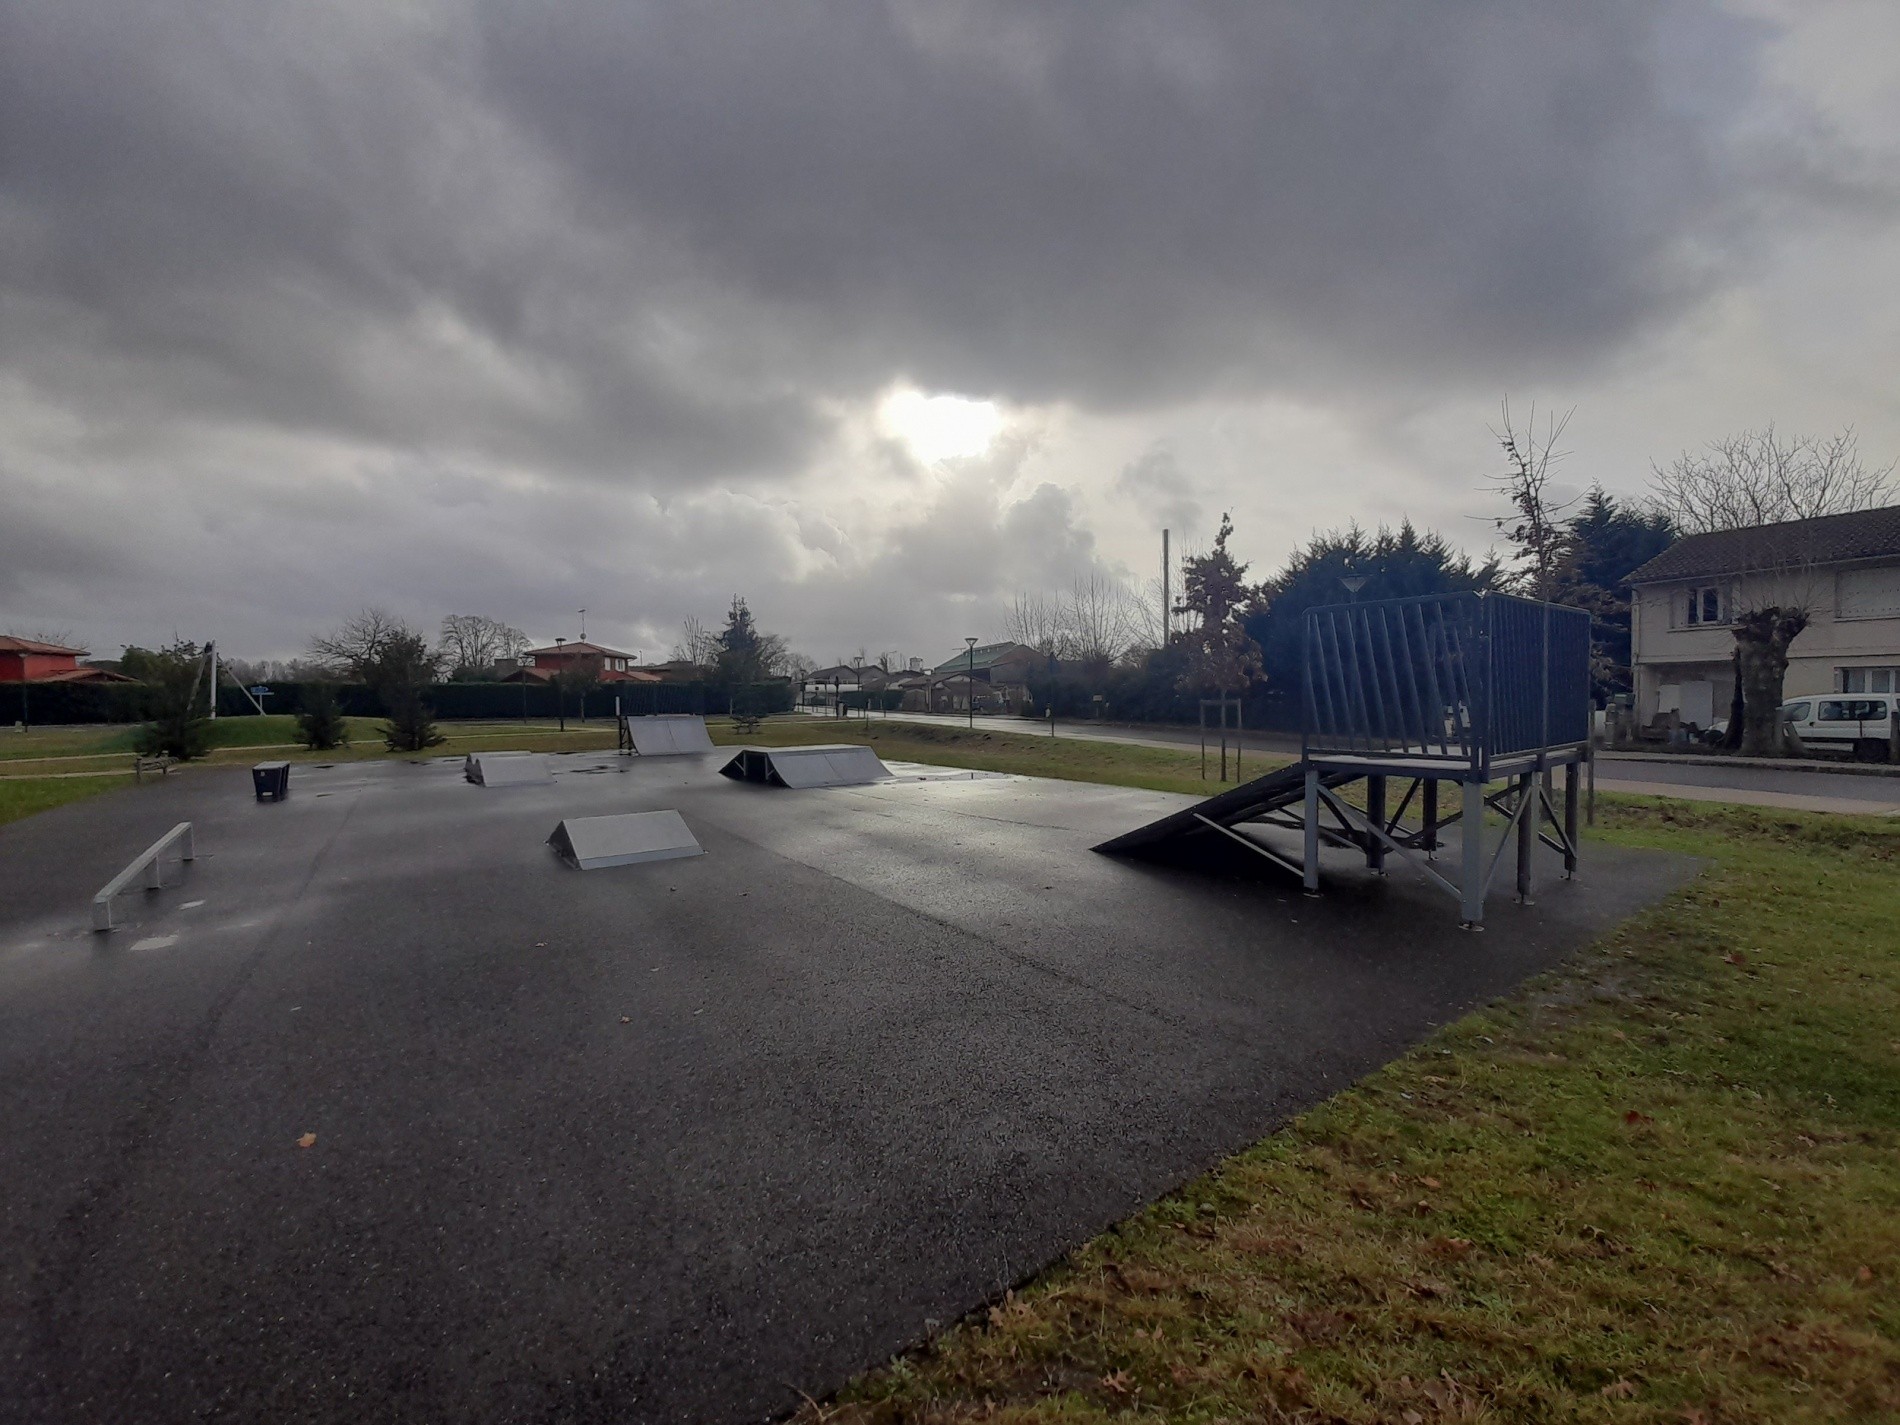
x=1619, y=1390
x=1735, y=957
x=1431, y=1183
x=1118, y=1382
x=1452, y=1248
x=309, y=1140
x=1412, y=1417
x=1864, y=1275
x=624, y=1019
x=1633, y=1118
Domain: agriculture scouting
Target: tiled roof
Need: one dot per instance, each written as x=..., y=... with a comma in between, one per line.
x=10, y=644
x=576, y=646
x=1831, y=539
x=987, y=656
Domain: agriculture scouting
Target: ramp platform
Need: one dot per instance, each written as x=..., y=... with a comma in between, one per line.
x=1448, y=690
x=665, y=735
x=591, y=842
x=844, y=764
x=506, y=769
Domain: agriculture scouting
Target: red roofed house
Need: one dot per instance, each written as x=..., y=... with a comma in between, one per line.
x=27, y=660
x=538, y=665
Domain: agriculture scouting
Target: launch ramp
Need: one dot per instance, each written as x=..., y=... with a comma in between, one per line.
x=665, y=735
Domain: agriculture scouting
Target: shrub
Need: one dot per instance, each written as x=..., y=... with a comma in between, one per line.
x=178, y=726
x=320, y=725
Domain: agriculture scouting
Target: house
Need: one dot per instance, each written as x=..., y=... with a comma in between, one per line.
x=538, y=665
x=995, y=674
x=1845, y=569
x=27, y=660
x=827, y=687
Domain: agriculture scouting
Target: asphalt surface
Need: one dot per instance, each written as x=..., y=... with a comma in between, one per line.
x=657, y=1143
x=1643, y=774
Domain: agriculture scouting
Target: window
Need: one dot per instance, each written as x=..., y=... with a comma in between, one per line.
x=1867, y=680
x=1853, y=710
x=1869, y=593
x=1796, y=712
x=527, y=660
x=1706, y=605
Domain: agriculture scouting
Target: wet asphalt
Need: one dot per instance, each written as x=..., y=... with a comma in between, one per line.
x=663, y=1142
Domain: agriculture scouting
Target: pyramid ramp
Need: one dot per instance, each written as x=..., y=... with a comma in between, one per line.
x=668, y=735
x=507, y=769
x=591, y=842
x=844, y=764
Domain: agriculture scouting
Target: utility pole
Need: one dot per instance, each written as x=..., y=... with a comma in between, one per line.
x=583, y=625
x=1167, y=615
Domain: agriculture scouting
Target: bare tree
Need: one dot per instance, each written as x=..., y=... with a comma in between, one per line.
x=1743, y=483
x=1535, y=530
x=1761, y=477
x=471, y=642
x=1037, y=621
x=358, y=646
x=1097, y=619
x=698, y=645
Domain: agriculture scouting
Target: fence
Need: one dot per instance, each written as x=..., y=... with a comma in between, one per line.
x=51, y=704
x=1457, y=677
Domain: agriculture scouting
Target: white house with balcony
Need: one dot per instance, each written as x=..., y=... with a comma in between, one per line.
x=1845, y=569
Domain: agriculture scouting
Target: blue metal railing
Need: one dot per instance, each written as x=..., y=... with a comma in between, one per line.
x=1457, y=677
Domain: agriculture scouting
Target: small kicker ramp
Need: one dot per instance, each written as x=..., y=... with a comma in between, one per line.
x=506, y=769
x=844, y=764
x=591, y=842
x=1247, y=802
x=668, y=735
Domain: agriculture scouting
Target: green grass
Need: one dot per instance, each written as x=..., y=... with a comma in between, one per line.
x=1162, y=769
x=109, y=747
x=1659, y=1184
x=23, y=796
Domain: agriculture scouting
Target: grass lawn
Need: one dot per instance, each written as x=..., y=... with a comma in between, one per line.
x=1162, y=769
x=109, y=746
x=23, y=796
x=1659, y=1184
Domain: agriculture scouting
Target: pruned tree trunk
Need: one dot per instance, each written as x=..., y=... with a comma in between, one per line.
x=1737, y=710
x=1762, y=637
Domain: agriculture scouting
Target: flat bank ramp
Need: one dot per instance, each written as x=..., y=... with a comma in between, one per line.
x=845, y=764
x=591, y=842
x=669, y=734
x=1247, y=802
x=506, y=769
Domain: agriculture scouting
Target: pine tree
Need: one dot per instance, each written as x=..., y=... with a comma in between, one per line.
x=320, y=722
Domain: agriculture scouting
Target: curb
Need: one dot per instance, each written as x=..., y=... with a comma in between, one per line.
x=1785, y=764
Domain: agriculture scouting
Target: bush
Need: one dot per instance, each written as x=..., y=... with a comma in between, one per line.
x=320, y=726
x=179, y=727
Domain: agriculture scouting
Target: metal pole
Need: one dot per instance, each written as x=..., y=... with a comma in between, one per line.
x=1528, y=784
x=1375, y=814
x=1593, y=783
x=1429, y=809
x=211, y=655
x=1167, y=613
x=1310, y=852
x=1571, y=788
x=972, y=689
x=1471, y=834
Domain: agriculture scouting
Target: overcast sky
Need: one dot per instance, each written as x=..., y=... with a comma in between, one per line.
x=876, y=313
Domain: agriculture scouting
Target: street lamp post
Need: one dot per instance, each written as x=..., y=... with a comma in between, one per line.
x=857, y=667
x=971, y=689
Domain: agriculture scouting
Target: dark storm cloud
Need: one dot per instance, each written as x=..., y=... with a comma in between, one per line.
x=408, y=273
x=1122, y=202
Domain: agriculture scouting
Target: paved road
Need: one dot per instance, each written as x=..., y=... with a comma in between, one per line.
x=659, y=1143
x=1750, y=786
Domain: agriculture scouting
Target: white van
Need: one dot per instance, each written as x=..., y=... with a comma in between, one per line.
x=1842, y=722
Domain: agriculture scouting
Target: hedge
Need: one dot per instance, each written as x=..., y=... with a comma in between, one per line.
x=51, y=704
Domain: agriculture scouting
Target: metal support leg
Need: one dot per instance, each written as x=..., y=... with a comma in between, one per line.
x=1527, y=788
x=1311, y=858
x=1471, y=877
x=1375, y=813
x=1572, y=778
x=1430, y=813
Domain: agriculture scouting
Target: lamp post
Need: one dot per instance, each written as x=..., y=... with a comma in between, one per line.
x=971, y=690
x=1354, y=583
x=560, y=690
x=857, y=667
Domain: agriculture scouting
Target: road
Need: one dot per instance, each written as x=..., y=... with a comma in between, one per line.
x=1792, y=788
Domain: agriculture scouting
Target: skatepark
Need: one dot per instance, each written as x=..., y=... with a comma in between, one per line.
x=382, y=1104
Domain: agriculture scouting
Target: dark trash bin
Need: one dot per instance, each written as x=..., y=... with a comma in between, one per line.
x=271, y=781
